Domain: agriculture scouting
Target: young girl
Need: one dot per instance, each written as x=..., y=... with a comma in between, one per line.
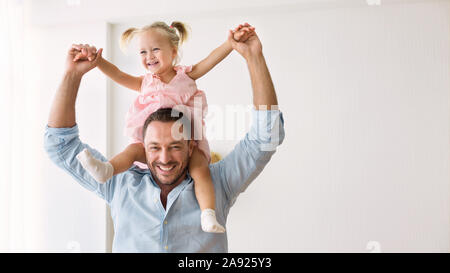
x=175, y=85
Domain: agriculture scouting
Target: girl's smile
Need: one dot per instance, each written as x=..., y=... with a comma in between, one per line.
x=157, y=54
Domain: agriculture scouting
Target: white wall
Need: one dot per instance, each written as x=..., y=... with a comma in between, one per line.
x=364, y=92
x=66, y=217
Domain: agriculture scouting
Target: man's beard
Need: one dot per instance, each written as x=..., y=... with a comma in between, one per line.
x=155, y=176
x=182, y=173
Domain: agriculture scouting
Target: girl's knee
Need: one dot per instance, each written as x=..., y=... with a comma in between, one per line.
x=137, y=150
x=198, y=158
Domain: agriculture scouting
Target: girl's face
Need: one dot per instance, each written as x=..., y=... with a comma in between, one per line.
x=157, y=54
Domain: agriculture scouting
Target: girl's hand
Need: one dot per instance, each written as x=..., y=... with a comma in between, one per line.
x=243, y=32
x=251, y=47
x=85, y=52
x=77, y=60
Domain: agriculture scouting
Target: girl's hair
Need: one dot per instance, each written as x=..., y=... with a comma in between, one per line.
x=175, y=39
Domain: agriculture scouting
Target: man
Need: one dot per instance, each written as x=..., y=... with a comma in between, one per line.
x=156, y=210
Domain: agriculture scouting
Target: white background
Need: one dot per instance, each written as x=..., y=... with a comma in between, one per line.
x=365, y=96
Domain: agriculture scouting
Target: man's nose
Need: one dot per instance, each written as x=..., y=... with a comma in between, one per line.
x=164, y=156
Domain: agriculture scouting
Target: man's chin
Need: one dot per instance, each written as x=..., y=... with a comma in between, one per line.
x=168, y=180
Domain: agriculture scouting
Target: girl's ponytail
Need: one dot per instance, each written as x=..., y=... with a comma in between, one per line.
x=182, y=30
x=126, y=37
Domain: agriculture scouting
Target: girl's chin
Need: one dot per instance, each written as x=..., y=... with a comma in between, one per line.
x=159, y=69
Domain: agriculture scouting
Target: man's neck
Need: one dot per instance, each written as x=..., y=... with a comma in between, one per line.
x=166, y=189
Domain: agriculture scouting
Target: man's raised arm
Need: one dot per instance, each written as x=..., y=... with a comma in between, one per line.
x=249, y=157
x=62, y=113
x=61, y=139
x=264, y=96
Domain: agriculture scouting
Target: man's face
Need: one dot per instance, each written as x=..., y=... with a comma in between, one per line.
x=167, y=158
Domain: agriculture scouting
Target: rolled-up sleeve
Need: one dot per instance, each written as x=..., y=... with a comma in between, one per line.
x=62, y=145
x=249, y=157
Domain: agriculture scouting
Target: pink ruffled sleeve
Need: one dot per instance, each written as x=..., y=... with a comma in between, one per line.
x=183, y=68
x=146, y=81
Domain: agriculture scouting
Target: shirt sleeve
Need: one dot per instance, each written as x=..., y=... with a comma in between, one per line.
x=62, y=146
x=249, y=157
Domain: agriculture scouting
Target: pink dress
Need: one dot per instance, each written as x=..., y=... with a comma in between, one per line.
x=180, y=93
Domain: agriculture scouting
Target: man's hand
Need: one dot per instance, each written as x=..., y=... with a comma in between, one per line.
x=248, y=48
x=82, y=58
x=242, y=32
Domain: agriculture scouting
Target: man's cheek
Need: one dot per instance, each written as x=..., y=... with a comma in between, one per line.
x=150, y=158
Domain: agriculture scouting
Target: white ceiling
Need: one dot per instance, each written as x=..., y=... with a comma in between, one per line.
x=49, y=12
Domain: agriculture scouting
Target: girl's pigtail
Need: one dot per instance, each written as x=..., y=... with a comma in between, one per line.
x=126, y=38
x=182, y=30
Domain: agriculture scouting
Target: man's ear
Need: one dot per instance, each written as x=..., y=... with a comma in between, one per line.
x=191, y=146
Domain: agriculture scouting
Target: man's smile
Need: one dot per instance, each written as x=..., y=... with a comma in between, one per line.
x=166, y=169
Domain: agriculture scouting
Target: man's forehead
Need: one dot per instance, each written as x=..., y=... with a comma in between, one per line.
x=151, y=142
x=159, y=132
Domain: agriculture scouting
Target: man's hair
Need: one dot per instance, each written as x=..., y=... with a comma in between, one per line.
x=163, y=115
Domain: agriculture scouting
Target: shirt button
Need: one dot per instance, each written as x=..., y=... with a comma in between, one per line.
x=165, y=222
x=166, y=247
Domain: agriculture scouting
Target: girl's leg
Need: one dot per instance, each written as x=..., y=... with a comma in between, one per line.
x=204, y=191
x=103, y=171
x=124, y=160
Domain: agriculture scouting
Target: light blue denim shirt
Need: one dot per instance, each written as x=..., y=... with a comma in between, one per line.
x=141, y=224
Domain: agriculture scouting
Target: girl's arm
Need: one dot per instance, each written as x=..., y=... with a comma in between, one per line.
x=241, y=33
x=118, y=76
x=215, y=57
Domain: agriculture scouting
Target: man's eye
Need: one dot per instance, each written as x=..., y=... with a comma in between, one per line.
x=143, y=52
x=176, y=147
x=155, y=49
x=153, y=148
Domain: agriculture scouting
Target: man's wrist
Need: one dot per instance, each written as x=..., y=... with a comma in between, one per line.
x=255, y=57
x=73, y=75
